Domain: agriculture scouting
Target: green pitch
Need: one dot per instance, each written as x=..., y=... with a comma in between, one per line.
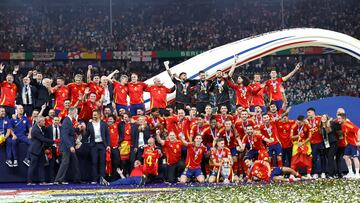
x=310, y=191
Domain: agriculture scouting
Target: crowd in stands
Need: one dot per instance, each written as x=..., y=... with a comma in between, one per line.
x=178, y=25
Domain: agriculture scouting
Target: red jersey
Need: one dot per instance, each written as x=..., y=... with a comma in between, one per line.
x=350, y=131
x=136, y=92
x=302, y=131
x=193, y=121
x=316, y=137
x=137, y=172
x=151, y=157
x=172, y=151
x=8, y=94
x=276, y=116
x=207, y=118
x=75, y=91
x=270, y=131
x=194, y=156
x=120, y=93
x=273, y=89
x=260, y=171
x=284, y=133
x=195, y=130
x=230, y=137
x=127, y=133
x=158, y=96
x=254, y=141
x=257, y=94
x=63, y=114
x=114, y=134
x=97, y=89
x=86, y=110
x=61, y=93
x=48, y=121
x=171, y=124
x=217, y=156
x=155, y=123
x=222, y=118
x=184, y=128
x=241, y=125
x=242, y=94
x=208, y=136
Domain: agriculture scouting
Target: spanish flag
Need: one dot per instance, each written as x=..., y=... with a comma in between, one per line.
x=124, y=150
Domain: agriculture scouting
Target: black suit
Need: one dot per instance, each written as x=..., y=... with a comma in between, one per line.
x=28, y=108
x=37, y=155
x=67, y=141
x=43, y=95
x=98, y=149
x=54, y=162
x=136, y=151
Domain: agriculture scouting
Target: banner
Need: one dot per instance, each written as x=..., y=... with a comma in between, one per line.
x=17, y=55
x=43, y=56
x=139, y=55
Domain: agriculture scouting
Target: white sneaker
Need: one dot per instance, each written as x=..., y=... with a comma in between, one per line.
x=349, y=176
x=315, y=176
x=308, y=176
x=356, y=176
x=323, y=176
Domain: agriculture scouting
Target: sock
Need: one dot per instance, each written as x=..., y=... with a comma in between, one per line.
x=235, y=168
x=350, y=170
x=357, y=171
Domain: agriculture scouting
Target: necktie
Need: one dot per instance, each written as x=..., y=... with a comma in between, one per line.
x=56, y=132
x=27, y=98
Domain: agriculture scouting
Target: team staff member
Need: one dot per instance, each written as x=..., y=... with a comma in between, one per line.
x=21, y=128
x=38, y=140
x=67, y=143
x=97, y=132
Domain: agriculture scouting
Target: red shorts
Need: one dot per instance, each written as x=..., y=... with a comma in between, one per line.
x=151, y=170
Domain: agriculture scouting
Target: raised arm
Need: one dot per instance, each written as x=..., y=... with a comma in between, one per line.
x=166, y=64
x=158, y=138
x=2, y=74
x=88, y=74
x=292, y=73
x=111, y=75
x=232, y=70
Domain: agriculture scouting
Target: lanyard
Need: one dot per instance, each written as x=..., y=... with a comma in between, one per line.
x=300, y=130
x=213, y=133
x=274, y=83
x=220, y=154
x=184, y=89
x=222, y=120
x=268, y=129
x=228, y=136
x=197, y=152
x=257, y=121
x=242, y=123
x=155, y=122
x=313, y=123
x=243, y=92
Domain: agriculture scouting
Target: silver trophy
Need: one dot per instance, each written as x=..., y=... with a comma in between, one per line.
x=225, y=170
